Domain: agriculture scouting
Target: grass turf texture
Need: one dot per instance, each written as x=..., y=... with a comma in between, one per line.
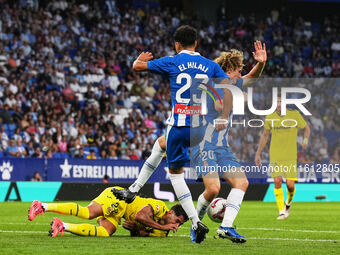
x=317, y=228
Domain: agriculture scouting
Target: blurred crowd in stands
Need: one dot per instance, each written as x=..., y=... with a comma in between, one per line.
x=67, y=88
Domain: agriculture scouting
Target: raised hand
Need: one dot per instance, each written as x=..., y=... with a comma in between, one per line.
x=260, y=53
x=145, y=56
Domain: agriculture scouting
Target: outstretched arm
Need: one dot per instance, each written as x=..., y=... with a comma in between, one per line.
x=141, y=63
x=133, y=228
x=262, y=144
x=306, y=134
x=260, y=55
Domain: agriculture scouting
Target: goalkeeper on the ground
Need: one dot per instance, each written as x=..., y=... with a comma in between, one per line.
x=143, y=217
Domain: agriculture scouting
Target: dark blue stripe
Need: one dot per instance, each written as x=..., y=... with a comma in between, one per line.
x=184, y=196
x=233, y=206
x=149, y=165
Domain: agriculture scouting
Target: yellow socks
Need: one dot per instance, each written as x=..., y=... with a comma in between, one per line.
x=86, y=229
x=68, y=209
x=79, y=211
x=290, y=196
x=279, y=199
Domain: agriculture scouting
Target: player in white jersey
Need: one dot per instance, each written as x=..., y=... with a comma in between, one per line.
x=181, y=70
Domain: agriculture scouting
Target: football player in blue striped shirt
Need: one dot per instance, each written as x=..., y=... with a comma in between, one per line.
x=181, y=69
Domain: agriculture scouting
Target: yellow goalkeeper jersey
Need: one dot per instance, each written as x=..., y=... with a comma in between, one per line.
x=159, y=209
x=283, y=144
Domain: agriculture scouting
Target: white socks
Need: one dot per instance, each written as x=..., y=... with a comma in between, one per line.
x=148, y=168
x=202, y=206
x=233, y=205
x=65, y=225
x=184, y=197
x=45, y=206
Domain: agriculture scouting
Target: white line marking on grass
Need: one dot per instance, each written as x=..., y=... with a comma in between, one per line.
x=279, y=239
x=251, y=238
x=294, y=239
x=22, y=223
x=287, y=230
x=23, y=232
x=294, y=230
x=263, y=229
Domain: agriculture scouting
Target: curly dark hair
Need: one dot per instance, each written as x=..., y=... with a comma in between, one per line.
x=186, y=36
x=179, y=211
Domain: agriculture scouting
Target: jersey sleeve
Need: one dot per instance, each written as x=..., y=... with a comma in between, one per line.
x=301, y=123
x=162, y=65
x=159, y=209
x=219, y=73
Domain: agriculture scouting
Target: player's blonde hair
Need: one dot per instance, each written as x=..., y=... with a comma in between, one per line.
x=230, y=60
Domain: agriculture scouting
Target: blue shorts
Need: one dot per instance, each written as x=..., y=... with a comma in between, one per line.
x=178, y=141
x=213, y=158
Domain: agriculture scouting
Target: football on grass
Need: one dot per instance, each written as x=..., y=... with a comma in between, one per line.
x=216, y=209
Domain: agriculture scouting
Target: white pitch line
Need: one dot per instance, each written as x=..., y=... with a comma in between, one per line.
x=294, y=230
x=30, y=232
x=287, y=230
x=23, y=232
x=280, y=239
x=22, y=223
x=264, y=229
x=254, y=238
x=294, y=239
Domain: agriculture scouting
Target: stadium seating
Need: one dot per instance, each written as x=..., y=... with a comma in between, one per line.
x=57, y=58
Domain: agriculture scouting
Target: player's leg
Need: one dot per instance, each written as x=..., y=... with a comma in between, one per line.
x=74, y=209
x=183, y=194
x=212, y=187
x=177, y=147
x=290, y=190
x=184, y=197
x=68, y=209
x=150, y=165
x=100, y=207
x=204, y=162
x=277, y=172
x=90, y=212
x=239, y=184
x=84, y=212
x=105, y=228
x=291, y=177
x=278, y=192
x=290, y=195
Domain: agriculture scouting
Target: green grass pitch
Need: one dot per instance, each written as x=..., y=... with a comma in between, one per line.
x=312, y=228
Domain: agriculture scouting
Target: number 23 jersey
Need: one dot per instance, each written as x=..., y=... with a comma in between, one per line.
x=181, y=70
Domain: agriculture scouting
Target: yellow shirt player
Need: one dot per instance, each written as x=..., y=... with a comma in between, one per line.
x=283, y=152
x=143, y=217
